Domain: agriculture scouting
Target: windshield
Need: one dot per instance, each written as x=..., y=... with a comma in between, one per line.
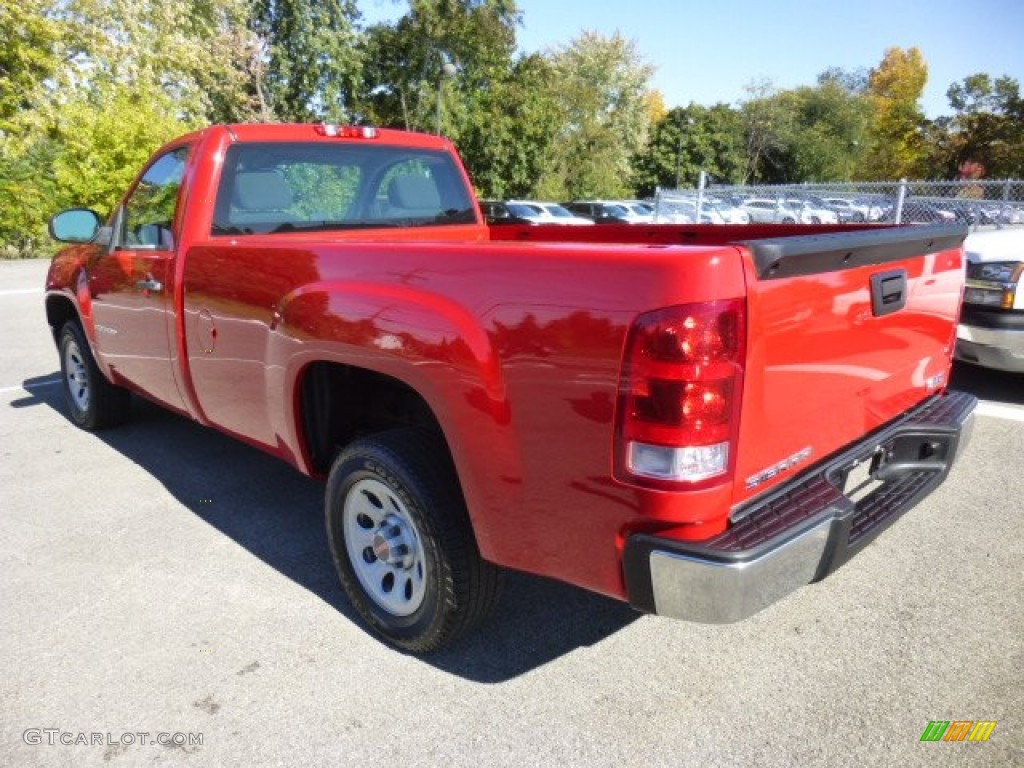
x=519, y=209
x=557, y=210
x=289, y=187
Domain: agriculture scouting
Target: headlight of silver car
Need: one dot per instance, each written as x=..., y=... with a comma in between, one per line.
x=993, y=283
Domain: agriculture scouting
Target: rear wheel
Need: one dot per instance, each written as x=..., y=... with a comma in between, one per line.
x=93, y=402
x=402, y=542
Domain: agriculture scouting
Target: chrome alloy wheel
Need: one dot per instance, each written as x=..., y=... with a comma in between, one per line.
x=384, y=547
x=76, y=374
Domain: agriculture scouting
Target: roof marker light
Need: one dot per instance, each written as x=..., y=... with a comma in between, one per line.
x=333, y=130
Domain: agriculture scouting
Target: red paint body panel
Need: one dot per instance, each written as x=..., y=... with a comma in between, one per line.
x=514, y=336
x=822, y=371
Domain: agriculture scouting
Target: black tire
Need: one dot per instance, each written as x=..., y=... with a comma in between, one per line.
x=93, y=402
x=403, y=544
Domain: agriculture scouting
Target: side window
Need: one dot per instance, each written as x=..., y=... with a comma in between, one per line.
x=148, y=215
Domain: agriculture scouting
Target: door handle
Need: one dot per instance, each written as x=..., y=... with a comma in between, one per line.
x=149, y=284
x=888, y=292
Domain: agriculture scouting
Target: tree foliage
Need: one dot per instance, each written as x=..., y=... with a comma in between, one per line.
x=686, y=141
x=311, y=65
x=89, y=88
x=196, y=52
x=895, y=145
x=458, y=47
x=103, y=149
x=987, y=127
x=604, y=93
x=29, y=40
x=508, y=144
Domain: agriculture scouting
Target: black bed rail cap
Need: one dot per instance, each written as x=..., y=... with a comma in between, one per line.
x=782, y=257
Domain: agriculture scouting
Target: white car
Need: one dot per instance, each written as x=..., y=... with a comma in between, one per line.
x=551, y=213
x=684, y=211
x=991, y=330
x=730, y=214
x=639, y=212
x=849, y=209
x=769, y=211
x=809, y=213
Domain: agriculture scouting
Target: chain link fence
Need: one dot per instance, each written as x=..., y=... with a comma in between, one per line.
x=979, y=204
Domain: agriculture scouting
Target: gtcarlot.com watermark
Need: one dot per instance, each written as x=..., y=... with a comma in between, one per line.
x=52, y=737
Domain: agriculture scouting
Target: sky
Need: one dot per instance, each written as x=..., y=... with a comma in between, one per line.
x=708, y=51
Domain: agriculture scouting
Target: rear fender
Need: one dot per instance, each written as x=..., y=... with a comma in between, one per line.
x=430, y=343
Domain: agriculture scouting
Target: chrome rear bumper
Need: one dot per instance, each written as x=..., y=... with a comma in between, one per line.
x=804, y=530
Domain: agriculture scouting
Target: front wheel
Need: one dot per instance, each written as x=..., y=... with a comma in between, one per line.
x=93, y=402
x=402, y=541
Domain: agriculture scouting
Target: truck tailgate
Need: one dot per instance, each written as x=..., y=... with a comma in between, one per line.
x=847, y=331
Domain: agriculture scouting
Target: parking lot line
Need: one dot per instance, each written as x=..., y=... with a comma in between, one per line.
x=1000, y=411
x=33, y=385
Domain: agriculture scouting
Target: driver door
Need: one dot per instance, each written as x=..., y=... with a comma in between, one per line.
x=132, y=284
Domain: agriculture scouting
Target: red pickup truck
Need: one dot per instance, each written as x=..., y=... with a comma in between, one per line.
x=696, y=419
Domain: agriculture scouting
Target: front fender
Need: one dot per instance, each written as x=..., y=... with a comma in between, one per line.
x=68, y=297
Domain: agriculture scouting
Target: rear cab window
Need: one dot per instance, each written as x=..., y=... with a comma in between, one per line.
x=290, y=187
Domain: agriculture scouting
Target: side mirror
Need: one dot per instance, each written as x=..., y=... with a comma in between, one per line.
x=75, y=225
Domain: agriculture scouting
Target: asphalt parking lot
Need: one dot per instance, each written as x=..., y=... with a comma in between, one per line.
x=164, y=579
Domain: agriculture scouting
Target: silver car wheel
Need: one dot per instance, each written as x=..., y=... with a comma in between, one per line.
x=76, y=375
x=384, y=547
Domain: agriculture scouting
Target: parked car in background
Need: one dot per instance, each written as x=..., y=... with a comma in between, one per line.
x=1000, y=214
x=874, y=206
x=499, y=212
x=727, y=210
x=556, y=214
x=859, y=209
x=600, y=211
x=684, y=211
x=965, y=211
x=919, y=212
x=991, y=330
x=810, y=212
x=848, y=210
x=769, y=211
x=641, y=212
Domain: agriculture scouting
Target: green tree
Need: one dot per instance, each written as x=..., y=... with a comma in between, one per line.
x=101, y=150
x=462, y=48
x=830, y=120
x=99, y=85
x=767, y=127
x=29, y=39
x=688, y=140
x=197, y=52
x=894, y=136
x=511, y=129
x=453, y=61
x=308, y=64
x=603, y=88
x=27, y=192
x=987, y=126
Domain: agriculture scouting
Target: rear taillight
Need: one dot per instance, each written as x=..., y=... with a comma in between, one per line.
x=679, y=396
